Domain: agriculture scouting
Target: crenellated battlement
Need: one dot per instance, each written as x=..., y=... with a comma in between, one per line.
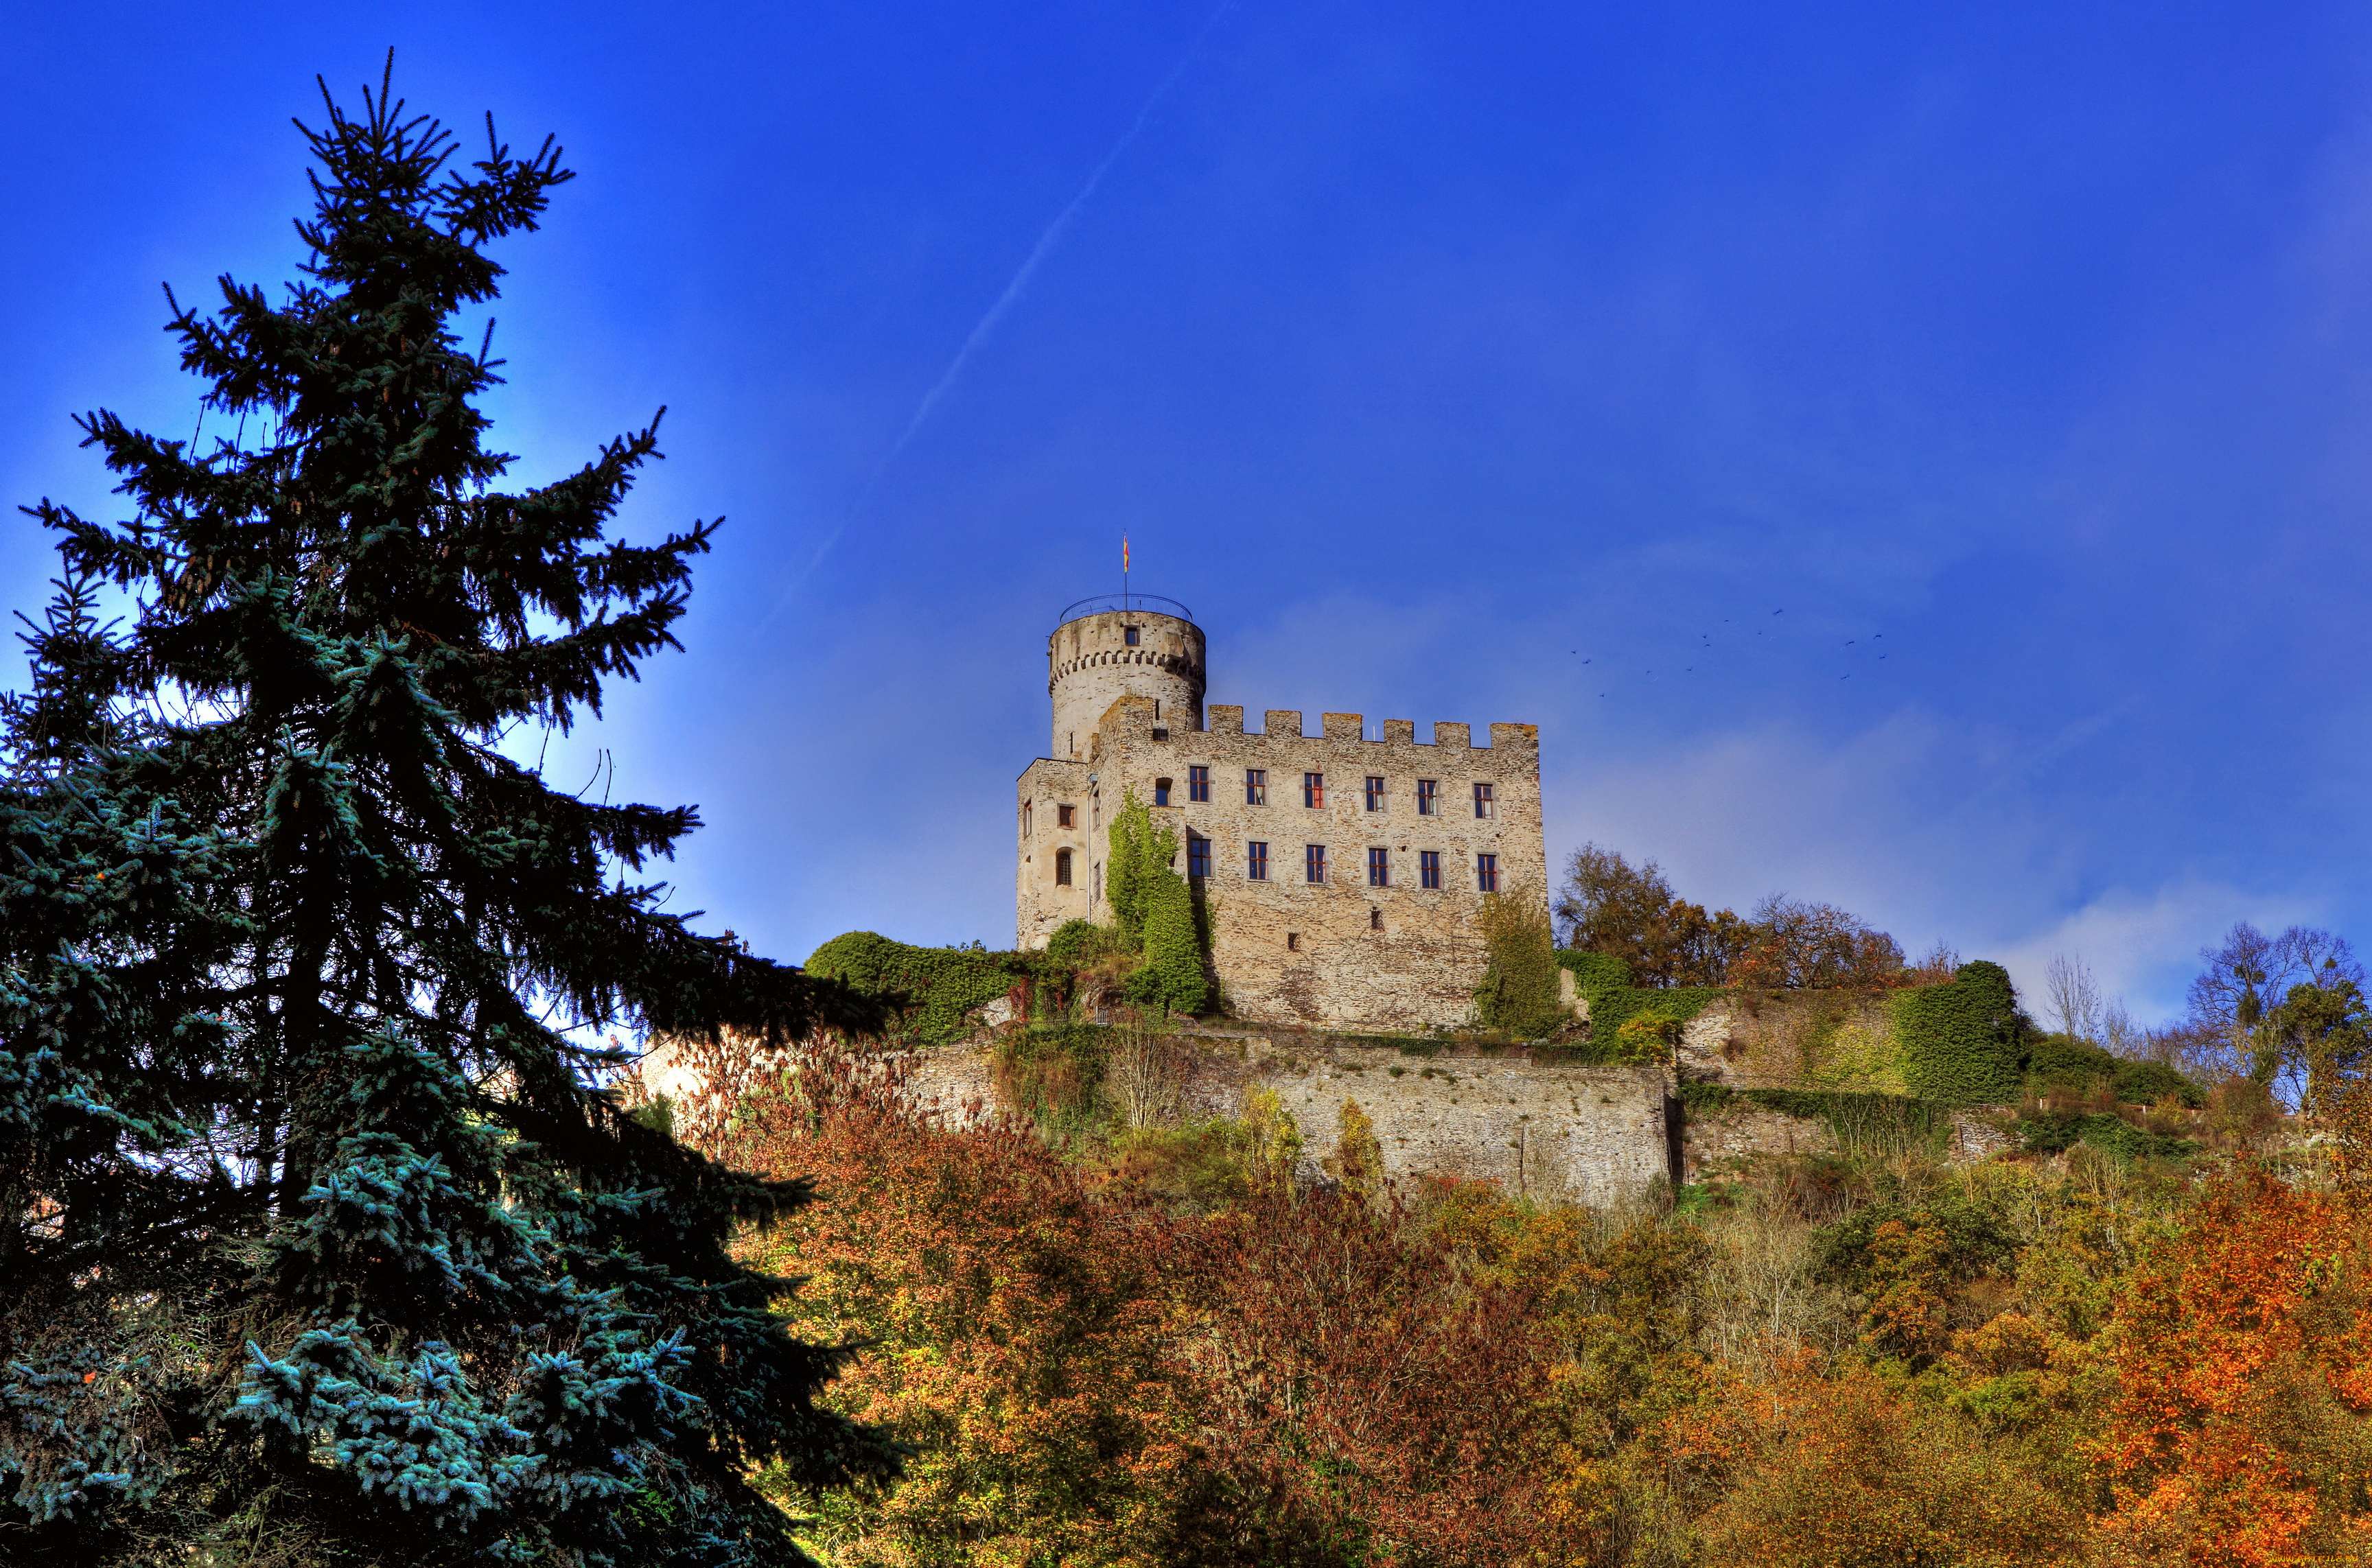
x=1288, y=723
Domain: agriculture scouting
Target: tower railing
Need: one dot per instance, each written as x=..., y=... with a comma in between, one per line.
x=1125, y=603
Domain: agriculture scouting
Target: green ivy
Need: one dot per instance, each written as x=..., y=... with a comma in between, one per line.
x=935, y=987
x=2057, y=1064
x=1604, y=982
x=1959, y=1042
x=2053, y=1133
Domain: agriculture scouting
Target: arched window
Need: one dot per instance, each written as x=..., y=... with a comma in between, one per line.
x=1025, y=819
x=1062, y=868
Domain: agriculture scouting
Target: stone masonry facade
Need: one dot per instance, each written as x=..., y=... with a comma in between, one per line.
x=1342, y=873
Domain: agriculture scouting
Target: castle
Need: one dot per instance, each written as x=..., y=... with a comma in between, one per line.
x=1341, y=874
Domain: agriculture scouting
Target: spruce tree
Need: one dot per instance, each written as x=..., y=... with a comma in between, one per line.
x=321, y=1240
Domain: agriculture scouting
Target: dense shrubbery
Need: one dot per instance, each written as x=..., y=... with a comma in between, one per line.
x=935, y=988
x=1152, y=1348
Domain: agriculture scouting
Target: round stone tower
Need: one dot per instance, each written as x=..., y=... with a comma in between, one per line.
x=1108, y=648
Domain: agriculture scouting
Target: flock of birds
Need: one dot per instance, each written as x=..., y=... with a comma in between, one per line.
x=1706, y=640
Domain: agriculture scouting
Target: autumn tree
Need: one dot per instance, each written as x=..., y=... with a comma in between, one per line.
x=2243, y=1421
x=1631, y=913
x=1017, y=1332
x=2288, y=1011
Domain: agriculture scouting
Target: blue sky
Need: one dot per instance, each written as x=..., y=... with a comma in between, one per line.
x=1452, y=362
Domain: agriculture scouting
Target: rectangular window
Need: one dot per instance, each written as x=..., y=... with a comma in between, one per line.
x=1025, y=819
x=1198, y=784
x=1379, y=868
x=1313, y=863
x=1065, y=817
x=1062, y=868
x=1255, y=786
x=1428, y=868
x=1428, y=797
x=1375, y=920
x=1483, y=803
x=1486, y=873
x=1131, y=636
x=1198, y=857
x=1313, y=790
x=1375, y=792
x=1161, y=792
x=1256, y=861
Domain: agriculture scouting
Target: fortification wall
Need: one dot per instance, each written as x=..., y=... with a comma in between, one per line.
x=1597, y=1135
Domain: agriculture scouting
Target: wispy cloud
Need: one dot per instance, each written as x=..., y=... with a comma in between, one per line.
x=995, y=313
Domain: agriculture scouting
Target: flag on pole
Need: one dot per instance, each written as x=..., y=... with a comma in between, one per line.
x=1123, y=555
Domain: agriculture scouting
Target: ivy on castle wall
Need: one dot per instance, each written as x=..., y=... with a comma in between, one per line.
x=1604, y=982
x=1959, y=1042
x=935, y=986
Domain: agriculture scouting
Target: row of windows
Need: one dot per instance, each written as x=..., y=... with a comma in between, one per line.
x=1313, y=795
x=1313, y=792
x=1314, y=866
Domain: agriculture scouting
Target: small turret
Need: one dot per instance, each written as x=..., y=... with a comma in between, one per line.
x=1108, y=649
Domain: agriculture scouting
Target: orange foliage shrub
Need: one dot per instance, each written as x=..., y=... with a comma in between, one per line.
x=1849, y=1471
x=2243, y=1350
x=1011, y=1331
x=1364, y=1398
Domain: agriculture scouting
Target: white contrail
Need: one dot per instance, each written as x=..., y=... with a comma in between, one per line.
x=1038, y=253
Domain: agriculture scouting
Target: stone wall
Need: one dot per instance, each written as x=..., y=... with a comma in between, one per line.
x=1539, y=1127
x=1597, y=1136
x=1715, y=1141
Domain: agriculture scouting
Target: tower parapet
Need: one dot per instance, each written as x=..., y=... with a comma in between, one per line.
x=1107, y=649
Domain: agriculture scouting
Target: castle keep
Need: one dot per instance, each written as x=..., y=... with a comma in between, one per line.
x=1341, y=874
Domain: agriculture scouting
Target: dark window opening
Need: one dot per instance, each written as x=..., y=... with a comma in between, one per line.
x=1130, y=634
x=1428, y=797
x=1313, y=790
x=1198, y=784
x=1198, y=857
x=1256, y=861
x=1062, y=868
x=1486, y=873
x=1483, y=805
x=1161, y=792
x=1292, y=941
x=1255, y=786
x=1375, y=920
x=1428, y=868
x=1313, y=863
x=1066, y=816
x=1379, y=868
x=1375, y=792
